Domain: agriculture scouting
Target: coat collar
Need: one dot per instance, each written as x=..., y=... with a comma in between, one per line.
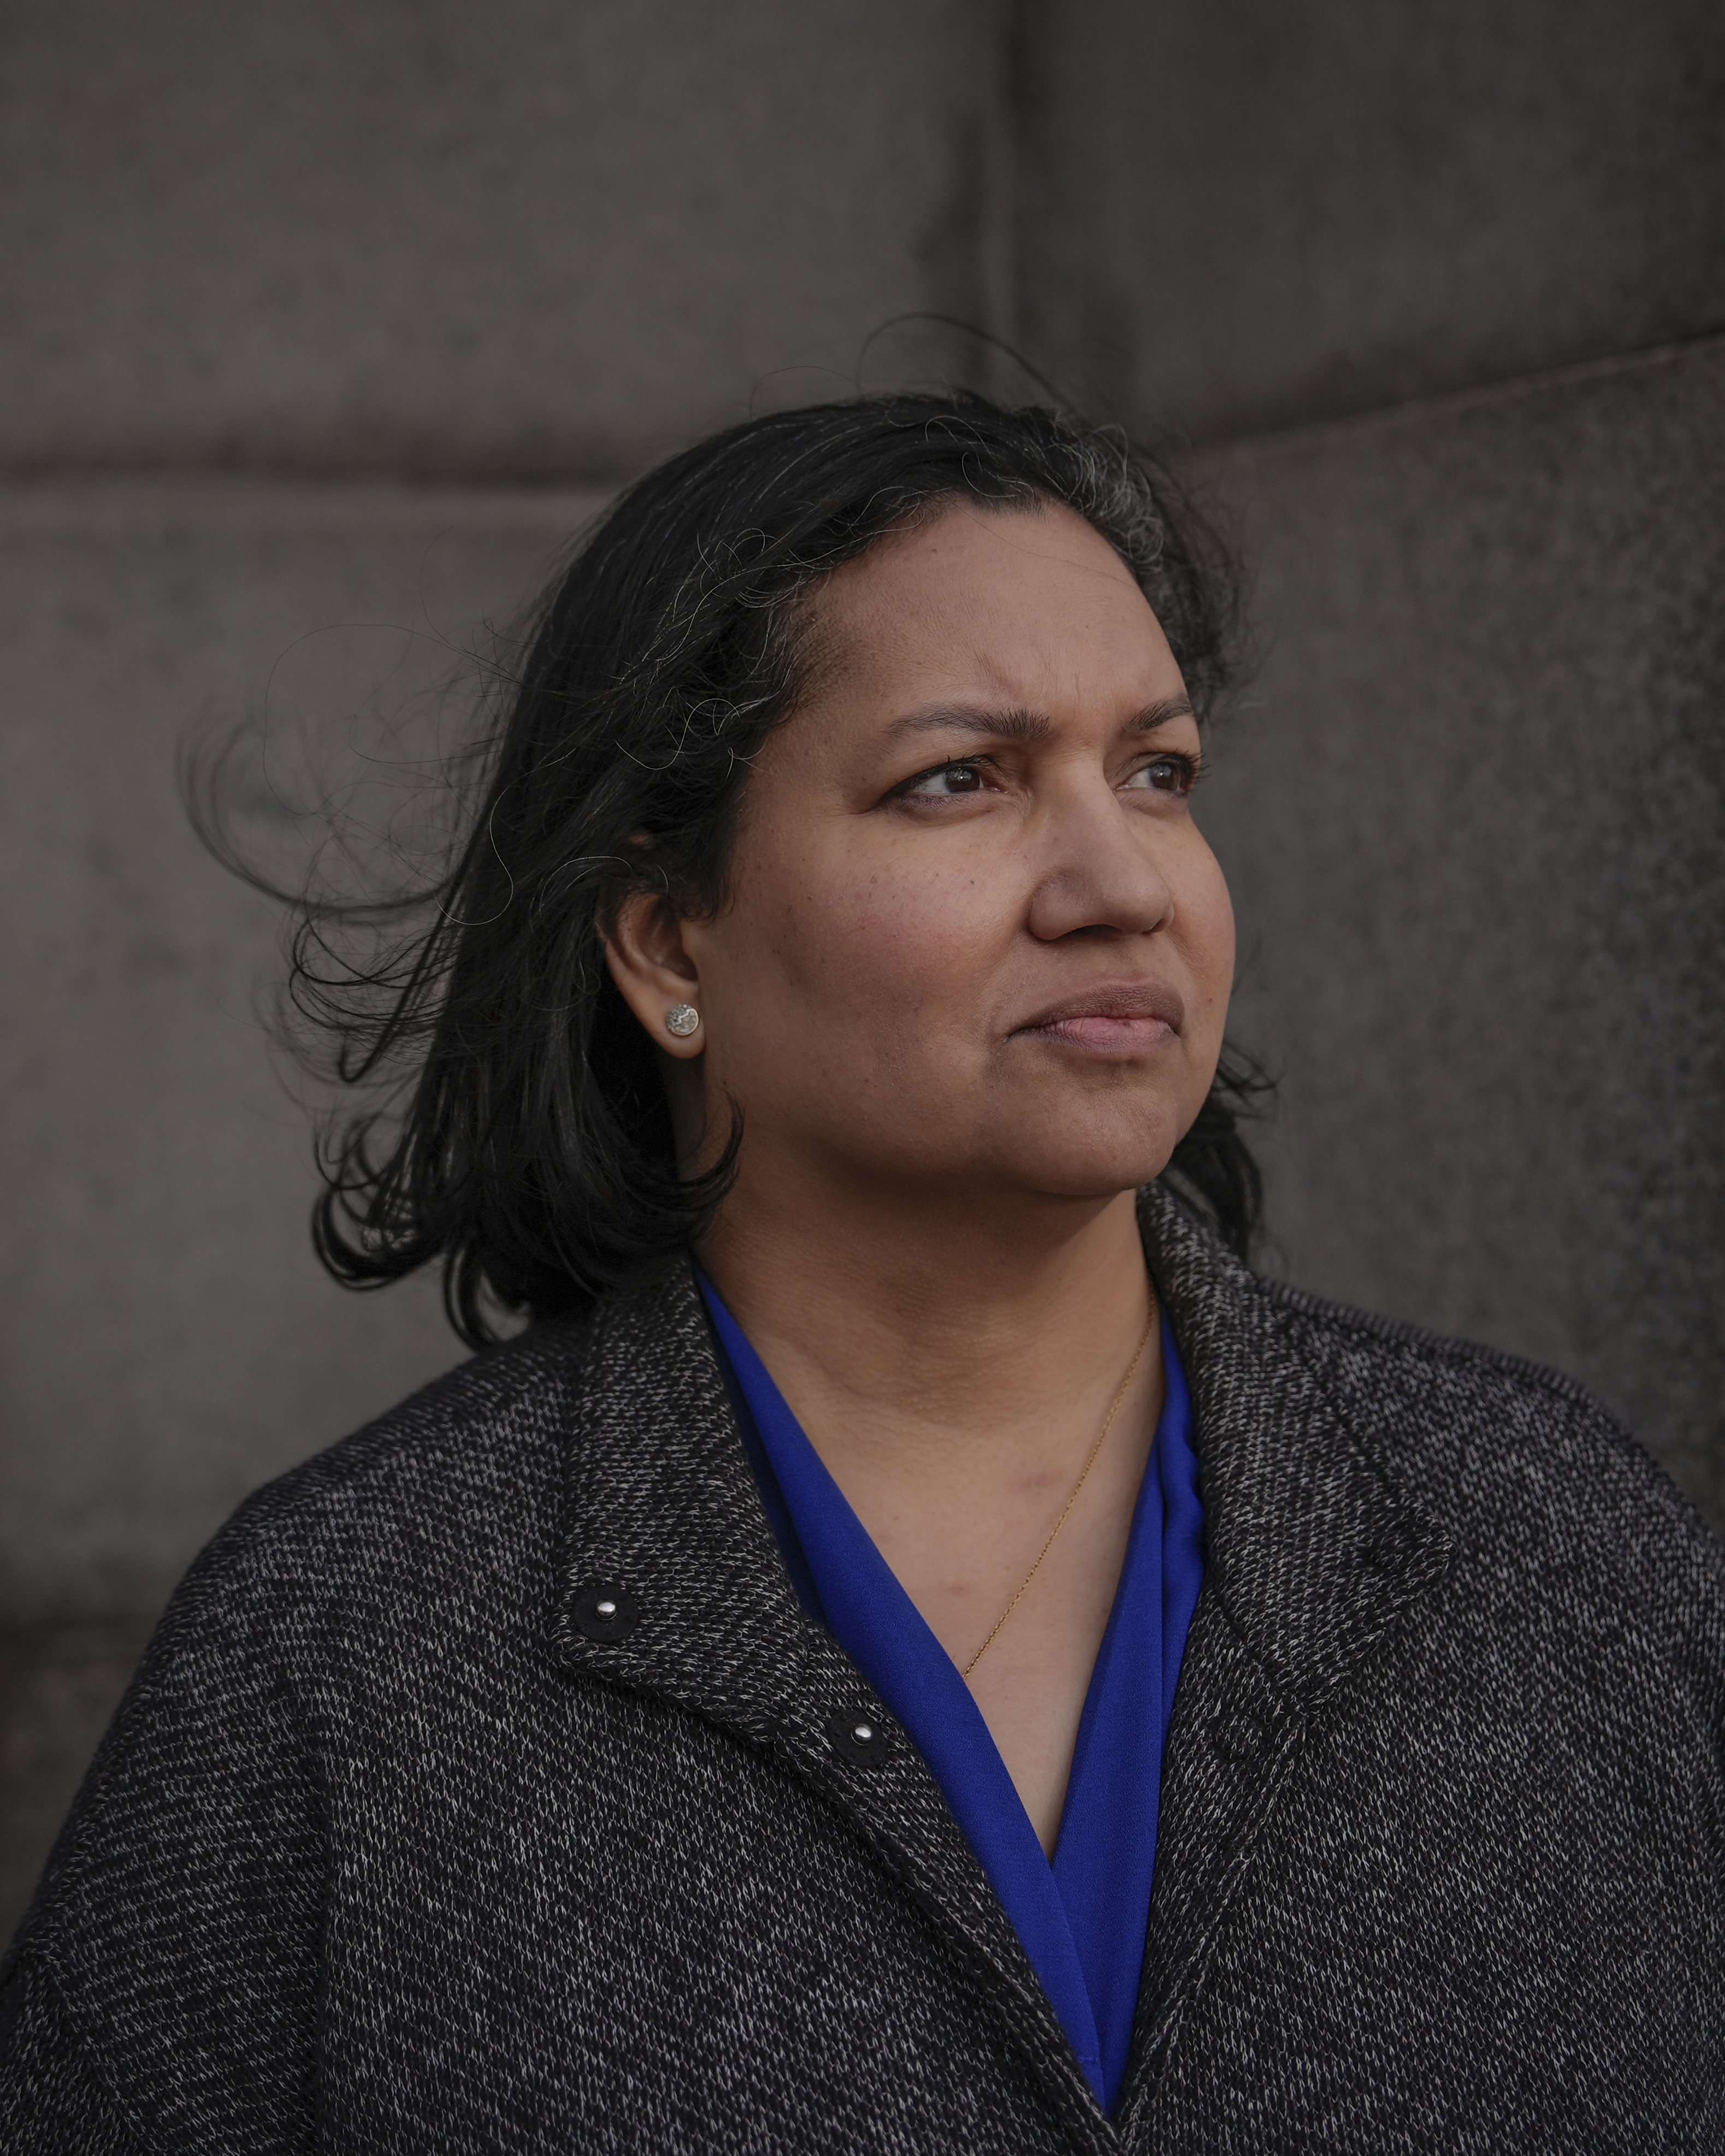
x=1312, y=1559
x=1312, y=1551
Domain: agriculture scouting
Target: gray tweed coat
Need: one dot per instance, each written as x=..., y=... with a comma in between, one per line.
x=398, y=1842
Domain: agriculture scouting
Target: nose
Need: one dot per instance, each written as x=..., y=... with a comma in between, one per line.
x=1097, y=869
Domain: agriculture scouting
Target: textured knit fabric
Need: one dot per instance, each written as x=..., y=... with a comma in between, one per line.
x=1082, y=1920
x=399, y=1843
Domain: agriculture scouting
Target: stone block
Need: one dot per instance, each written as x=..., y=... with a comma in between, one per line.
x=166, y=1340
x=1284, y=210
x=1473, y=814
x=429, y=237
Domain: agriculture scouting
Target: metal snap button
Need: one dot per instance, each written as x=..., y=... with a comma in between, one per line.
x=604, y=1612
x=857, y=1736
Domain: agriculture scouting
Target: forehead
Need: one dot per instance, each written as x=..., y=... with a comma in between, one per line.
x=1021, y=600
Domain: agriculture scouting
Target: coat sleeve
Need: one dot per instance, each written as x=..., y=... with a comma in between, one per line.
x=162, y=1992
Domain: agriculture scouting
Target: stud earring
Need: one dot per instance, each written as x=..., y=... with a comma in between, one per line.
x=682, y=1019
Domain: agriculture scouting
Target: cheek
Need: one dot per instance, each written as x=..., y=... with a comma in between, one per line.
x=1206, y=910
x=1215, y=912
x=864, y=936
x=849, y=986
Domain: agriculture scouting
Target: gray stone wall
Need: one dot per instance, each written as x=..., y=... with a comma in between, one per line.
x=326, y=325
x=417, y=235
x=1473, y=815
x=1282, y=211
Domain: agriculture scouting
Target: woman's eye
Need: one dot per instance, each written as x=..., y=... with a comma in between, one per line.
x=1165, y=774
x=950, y=779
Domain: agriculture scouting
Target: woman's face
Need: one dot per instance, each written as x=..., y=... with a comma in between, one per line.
x=972, y=940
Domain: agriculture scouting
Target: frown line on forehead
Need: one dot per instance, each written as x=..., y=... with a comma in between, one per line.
x=1016, y=723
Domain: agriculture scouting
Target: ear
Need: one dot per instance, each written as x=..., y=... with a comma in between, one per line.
x=655, y=974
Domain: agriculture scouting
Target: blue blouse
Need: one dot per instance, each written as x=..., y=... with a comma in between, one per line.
x=1082, y=1917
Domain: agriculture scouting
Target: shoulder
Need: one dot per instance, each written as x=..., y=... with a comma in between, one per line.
x=1518, y=1471
x=422, y=1544
x=427, y=1536
x=466, y=1475
x=1461, y=1419
x=1527, y=1474
x=321, y=1633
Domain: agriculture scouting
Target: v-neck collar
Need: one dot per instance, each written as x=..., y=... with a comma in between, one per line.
x=1081, y=1918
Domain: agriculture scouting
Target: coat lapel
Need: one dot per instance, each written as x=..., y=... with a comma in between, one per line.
x=664, y=1525
x=1311, y=1557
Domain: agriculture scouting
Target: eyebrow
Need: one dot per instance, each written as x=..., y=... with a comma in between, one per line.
x=1017, y=724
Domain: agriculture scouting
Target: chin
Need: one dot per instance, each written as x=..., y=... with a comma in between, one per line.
x=1092, y=1172
x=1082, y=1154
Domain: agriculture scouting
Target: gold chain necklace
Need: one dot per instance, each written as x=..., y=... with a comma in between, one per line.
x=1131, y=1372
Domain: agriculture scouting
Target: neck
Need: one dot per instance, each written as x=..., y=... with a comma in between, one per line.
x=929, y=1320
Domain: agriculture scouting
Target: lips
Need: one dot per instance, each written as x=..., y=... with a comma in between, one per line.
x=1119, y=1018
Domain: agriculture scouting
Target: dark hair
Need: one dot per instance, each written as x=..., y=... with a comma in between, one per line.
x=527, y=1147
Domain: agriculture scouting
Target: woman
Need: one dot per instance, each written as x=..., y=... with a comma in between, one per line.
x=914, y=1646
